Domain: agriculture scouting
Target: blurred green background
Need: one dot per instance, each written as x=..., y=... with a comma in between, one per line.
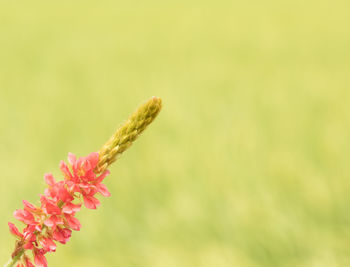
x=247, y=164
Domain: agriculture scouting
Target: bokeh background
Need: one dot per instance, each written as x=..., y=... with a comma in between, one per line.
x=247, y=164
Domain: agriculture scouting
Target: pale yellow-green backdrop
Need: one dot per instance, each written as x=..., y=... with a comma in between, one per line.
x=247, y=164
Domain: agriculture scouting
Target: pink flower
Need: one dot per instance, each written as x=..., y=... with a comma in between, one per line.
x=72, y=222
x=57, y=191
x=49, y=206
x=30, y=207
x=70, y=208
x=55, y=219
x=14, y=230
x=39, y=258
x=24, y=216
x=62, y=235
x=90, y=202
x=83, y=168
x=47, y=244
x=27, y=237
x=103, y=190
x=82, y=178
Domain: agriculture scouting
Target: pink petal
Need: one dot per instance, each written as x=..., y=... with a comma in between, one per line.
x=93, y=159
x=88, y=189
x=49, y=179
x=91, y=202
x=52, y=209
x=102, y=176
x=66, y=233
x=72, y=158
x=28, y=233
x=89, y=176
x=47, y=192
x=29, y=206
x=70, y=208
x=53, y=221
x=64, y=194
x=86, y=166
x=72, y=186
x=62, y=235
x=40, y=259
x=28, y=246
x=14, y=230
x=78, y=165
x=38, y=227
x=49, y=222
x=48, y=245
x=58, y=236
x=24, y=216
x=65, y=170
x=103, y=190
x=28, y=262
x=49, y=206
x=73, y=222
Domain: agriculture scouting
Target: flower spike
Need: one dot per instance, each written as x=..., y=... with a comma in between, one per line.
x=54, y=220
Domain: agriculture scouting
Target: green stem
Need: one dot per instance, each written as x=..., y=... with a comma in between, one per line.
x=14, y=260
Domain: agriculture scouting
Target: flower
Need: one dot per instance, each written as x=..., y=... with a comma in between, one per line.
x=82, y=179
x=39, y=258
x=55, y=219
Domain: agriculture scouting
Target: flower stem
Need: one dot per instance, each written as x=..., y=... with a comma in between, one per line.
x=14, y=260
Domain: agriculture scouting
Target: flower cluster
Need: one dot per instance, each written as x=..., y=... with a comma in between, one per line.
x=55, y=218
